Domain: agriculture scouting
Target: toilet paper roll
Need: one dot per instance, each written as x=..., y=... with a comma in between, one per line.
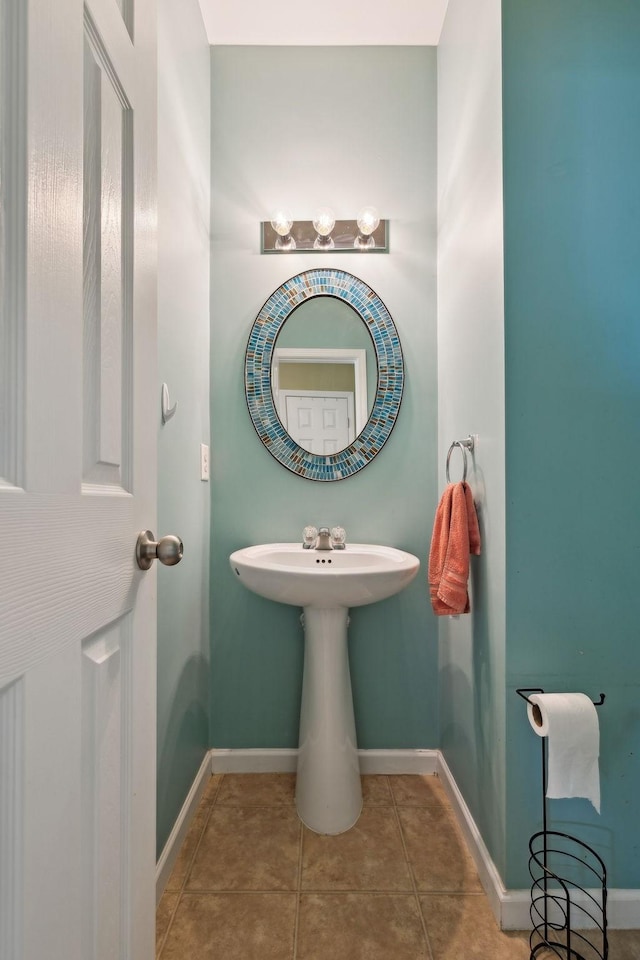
x=570, y=722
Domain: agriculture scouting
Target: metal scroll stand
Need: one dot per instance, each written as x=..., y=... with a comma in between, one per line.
x=556, y=899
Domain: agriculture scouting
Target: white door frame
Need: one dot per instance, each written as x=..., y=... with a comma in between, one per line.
x=357, y=358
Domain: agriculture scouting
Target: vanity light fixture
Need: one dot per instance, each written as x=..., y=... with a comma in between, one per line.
x=366, y=234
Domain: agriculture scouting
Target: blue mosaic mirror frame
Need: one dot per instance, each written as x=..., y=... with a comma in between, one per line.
x=267, y=325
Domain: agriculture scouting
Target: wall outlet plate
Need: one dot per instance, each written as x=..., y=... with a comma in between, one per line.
x=204, y=461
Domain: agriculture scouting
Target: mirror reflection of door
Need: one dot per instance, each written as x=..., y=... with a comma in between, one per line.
x=321, y=423
x=324, y=349
x=321, y=396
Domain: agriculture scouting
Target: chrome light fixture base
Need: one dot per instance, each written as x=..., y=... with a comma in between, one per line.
x=345, y=236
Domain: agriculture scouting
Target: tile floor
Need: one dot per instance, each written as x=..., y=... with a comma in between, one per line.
x=252, y=883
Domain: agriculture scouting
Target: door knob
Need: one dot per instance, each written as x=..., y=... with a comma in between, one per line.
x=167, y=550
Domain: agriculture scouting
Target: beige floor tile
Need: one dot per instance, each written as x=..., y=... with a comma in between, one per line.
x=262, y=789
x=438, y=855
x=164, y=912
x=376, y=791
x=369, y=856
x=248, y=848
x=418, y=791
x=252, y=843
x=188, y=848
x=352, y=926
x=211, y=790
x=241, y=926
x=463, y=926
x=623, y=944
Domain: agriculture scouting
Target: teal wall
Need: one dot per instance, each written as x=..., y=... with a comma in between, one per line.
x=471, y=399
x=305, y=127
x=347, y=127
x=572, y=291
x=183, y=327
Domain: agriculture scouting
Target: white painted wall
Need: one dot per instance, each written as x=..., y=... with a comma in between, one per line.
x=335, y=22
x=471, y=395
x=183, y=305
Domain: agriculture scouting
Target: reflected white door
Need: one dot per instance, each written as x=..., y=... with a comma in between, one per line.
x=322, y=423
x=78, y=415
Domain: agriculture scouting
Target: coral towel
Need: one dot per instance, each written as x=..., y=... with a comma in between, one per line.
x=455, y=536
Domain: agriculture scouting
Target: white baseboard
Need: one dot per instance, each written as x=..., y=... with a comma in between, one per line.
x=623, y=909
x=285, y=761
x=256, y=760
x=398, y=761
x=487, y=870
x=510, y=907
x=171, y=849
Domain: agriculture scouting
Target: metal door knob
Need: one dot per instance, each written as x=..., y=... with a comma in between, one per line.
x=167, y=550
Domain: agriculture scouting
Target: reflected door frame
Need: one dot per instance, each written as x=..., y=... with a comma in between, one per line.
x=357, y=358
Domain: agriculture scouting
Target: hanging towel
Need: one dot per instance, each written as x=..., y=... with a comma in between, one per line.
x=455, y=535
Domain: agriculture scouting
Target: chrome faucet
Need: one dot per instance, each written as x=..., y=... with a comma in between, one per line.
x=323, y=538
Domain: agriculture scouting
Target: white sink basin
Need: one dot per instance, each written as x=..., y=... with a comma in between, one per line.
x=362, y=573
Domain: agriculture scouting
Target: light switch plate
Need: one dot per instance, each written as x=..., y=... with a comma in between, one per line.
x=204, y=461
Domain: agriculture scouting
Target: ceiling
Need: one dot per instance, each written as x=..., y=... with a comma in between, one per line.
x=331, y=22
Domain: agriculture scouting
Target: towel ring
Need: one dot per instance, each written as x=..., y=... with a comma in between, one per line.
x=464, y=446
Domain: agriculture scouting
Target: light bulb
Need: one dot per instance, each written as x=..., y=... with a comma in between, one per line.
x=367, y=221
x=323, y=223
x=281, y=222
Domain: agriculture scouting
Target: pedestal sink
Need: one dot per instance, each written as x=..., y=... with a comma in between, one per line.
x=325, y=583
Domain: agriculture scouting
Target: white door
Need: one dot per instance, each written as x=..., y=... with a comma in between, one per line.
x=322, y=423
x=78, y=415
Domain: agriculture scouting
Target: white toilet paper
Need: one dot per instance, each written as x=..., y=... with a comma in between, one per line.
x=570, y=721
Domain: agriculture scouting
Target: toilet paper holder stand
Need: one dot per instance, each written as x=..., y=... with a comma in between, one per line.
x=554, y=899
x=537, y=716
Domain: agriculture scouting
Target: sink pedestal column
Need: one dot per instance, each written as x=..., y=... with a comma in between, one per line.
x=328, y=788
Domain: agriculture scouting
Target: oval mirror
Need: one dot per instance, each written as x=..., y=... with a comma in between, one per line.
x=324, y=374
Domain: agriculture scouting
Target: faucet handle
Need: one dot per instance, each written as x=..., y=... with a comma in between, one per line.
x=338, y=538
x=309, y=537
